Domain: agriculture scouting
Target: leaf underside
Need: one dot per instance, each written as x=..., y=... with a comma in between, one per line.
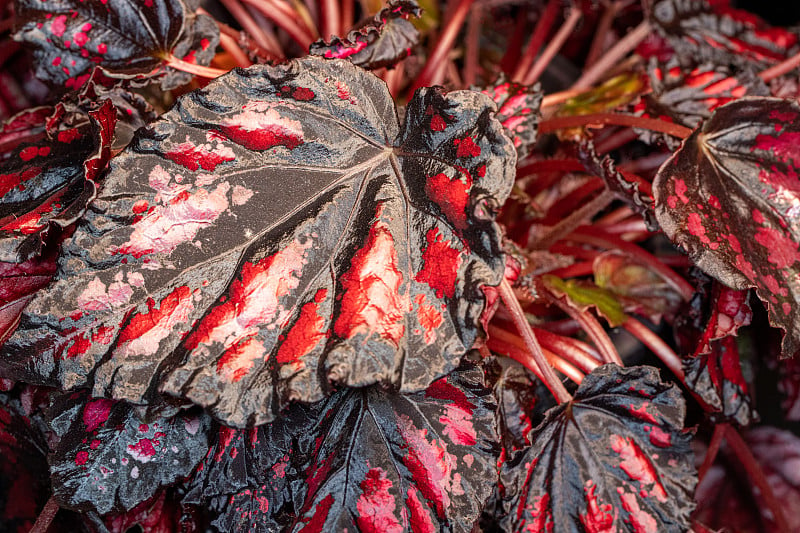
x=274, y=232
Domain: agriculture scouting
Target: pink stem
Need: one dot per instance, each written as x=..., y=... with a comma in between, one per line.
x=443, y=47
x=331, y=17
x=275, y=12
x=613, y=55
x=552, y=49
x=472, y=48
x=249, y=24
x=518, y=317
x=656, y=345
x=230, y=45
x=191, y=68
x=577, y=121
x=524, y=358
x=548, y=341
x=46, y=517
x=780, y=69
x=711, y=452
x=601, y=33
x=540, y=33
x=348, y=13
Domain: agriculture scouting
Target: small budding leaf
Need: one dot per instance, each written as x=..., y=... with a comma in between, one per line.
x=126, y=39
x=728, y=196
x=272, y=233
x=613, y=459
x=52, y=180
x=382, y=42
x=108, y=460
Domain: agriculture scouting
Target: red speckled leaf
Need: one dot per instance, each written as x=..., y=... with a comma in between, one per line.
x=729, y=196
x=381, y=42
x=51, y=181
x=518, y=111
x=126, y=39
x=272, y=234
x=613, y=459
x=108, y=460
x=706, y=31
x=363, y=460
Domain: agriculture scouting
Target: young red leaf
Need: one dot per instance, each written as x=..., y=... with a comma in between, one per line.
x=51, y=181
x=613, y=459
x=272, y=233
x=108, y=460
x=729, y=197
x=125, y=39
x=382, y=42
x=518, y=112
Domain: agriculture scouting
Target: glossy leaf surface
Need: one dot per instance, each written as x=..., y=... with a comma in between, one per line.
x=108, y=460
x=384, y=41
x=728, y=197
x=518, y=111
x=363, y=460
x=613, y=459
x=126, y=39
x=273, y=232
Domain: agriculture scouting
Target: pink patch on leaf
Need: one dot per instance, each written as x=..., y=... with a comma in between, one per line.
x=96, y=413
x=429, y=318
x=58, y=26
x=466, y=147
x=782, y=249
x=142, y=451
x=639, y=520
x=261, y=128
x=194, y=157
x=316, y=523
x=146, y=330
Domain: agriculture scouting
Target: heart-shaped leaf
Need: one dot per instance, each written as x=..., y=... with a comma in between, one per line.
x=126, y=39
x=382, y=42
x=728, y=196
x=613, y=459
x=108, y=460
x=274, y=231
x=363, y=460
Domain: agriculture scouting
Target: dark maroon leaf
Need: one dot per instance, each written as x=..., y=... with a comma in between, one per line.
x=51, y=181
x=613, y=459
x=126, y=39
x=364, y=460
x=18, y=284
x=163, y=513
x=23, y=469
x=789, y=386
x=382, y=42
x=518, y=112
x=687, y=96
x=25, y=126
x=702, y=31
x=191, y=275
x=108, y=460
x=728, y=196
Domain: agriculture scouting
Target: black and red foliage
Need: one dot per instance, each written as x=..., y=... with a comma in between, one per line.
x=125, y=39
x=614, y=458
x=104, y=449
x=518, y=112
x=380, y=42
x=728, y=197
x=366, y=269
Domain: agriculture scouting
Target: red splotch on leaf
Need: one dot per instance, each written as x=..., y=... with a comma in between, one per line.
x=786, y=146
x=658, y=437
x=81, y=343
x=307, y=331
x=457, y=418
x=419, y=517
x=452, y=196
x=317, y=521
x=145, y=331
x=636, y=463
x=81, y=457
x=429, y=318
x=641, y=413
x=432, y=467
x=372, y=302
x=143, y=450
x=639, y=520
x=376, y=505
x=441, y=262
x=598, y=517
x=237, y=360
x=540, y=517
x=782, y=248
x=196, y=157
x=438, y=123
x=466, y=147
x=254, y=300
x=96, y=413
x=261, y=127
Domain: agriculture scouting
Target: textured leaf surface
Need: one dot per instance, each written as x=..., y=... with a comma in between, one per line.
x=364, y=460
x=699, y=30
x=124, y=38
x=384, y=41
x=613, y=459
x=51, y=181
x=275, y=231
x=729, y=197
x=108, y=460
x=518, y=111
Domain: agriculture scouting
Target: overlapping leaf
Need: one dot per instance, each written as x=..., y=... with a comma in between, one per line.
x=518, y=111
x=51, y=180
x=700, y=30
x=728, y=196
x=126, y=39
x=613, y=459
x=364, y=460
x=382, y=42
x=275, y=231
x=108, y=460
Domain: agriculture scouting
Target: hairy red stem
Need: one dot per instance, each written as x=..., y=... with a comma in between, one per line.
x=46, y=517
x=540, y=33
x=248, y=23
x=577, y=121
x=549, y=342
x=230, y=45
x=552, y=49
x=288, y=22
x=518, y=317
x=331, y=17
x=711, y=452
